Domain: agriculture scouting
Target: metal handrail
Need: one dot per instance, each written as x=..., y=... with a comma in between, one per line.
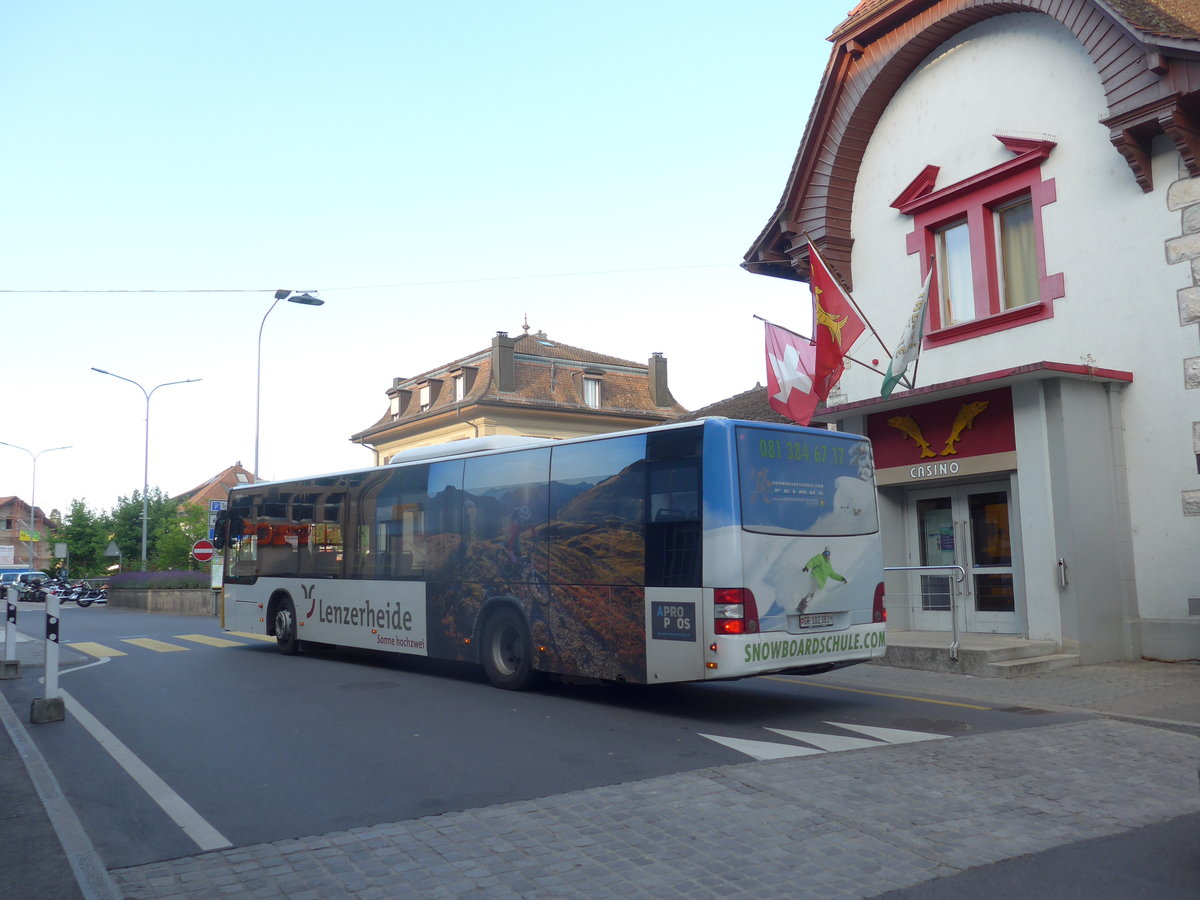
x=962, y=574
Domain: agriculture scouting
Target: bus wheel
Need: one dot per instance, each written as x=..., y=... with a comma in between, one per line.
x=508, y=651
x=285, y=628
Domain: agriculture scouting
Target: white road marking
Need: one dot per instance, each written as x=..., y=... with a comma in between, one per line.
x=762, y=749
x=192, y=823
x=831, y=742
x=891, y=735
x=828, y=743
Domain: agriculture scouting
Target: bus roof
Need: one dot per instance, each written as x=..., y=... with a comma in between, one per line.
x=499, y=443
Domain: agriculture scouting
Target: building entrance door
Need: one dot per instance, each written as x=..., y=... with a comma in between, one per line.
x=966, y=526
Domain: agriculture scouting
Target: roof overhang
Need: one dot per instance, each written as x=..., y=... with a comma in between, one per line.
x=1039, y=371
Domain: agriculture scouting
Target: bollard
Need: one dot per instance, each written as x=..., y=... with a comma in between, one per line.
x=51, y=707
x=10, y=666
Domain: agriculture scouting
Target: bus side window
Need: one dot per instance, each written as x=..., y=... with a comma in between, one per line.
x=598, y=512
x=324, y=554
x=673, y=524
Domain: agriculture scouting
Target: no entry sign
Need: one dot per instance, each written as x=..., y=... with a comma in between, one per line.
x=203, y=550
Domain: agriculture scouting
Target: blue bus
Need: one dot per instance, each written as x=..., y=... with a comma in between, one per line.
x=697, y=551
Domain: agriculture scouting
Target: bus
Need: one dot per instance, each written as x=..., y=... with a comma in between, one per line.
x=715, y=549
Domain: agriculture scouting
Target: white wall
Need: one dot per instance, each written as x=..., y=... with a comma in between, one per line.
x=1026, y=75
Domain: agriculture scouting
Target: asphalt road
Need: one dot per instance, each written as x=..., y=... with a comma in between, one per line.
x=261, y=747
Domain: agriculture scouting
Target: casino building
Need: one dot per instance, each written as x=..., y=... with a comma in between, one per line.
x=1043, y=158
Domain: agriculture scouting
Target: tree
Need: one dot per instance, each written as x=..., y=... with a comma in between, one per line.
x=127, y=522
x=86, y=535
x=175, y=537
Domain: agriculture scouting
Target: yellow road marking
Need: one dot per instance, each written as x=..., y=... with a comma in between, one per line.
x=97, y=650
x=257, y=637
x=152, y=644
x=833, y=687
x=210, y=640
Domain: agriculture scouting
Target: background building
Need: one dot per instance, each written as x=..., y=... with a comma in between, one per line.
x=15, y=519
x=1043, y=157
x=529, y=385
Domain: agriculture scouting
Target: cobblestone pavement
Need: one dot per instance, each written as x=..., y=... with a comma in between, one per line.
x=851, y=824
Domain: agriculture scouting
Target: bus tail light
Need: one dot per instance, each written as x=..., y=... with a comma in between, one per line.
x=734, y=611
x=878, y=611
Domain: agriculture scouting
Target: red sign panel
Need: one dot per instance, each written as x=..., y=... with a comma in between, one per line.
x=203, y=550
x=972, y=425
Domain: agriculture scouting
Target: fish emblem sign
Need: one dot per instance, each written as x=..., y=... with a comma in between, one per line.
x=963, y=421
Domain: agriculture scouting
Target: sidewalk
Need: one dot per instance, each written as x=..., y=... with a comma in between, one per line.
x=807, y=826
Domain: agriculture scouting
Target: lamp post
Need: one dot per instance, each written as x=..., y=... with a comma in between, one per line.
x=146, y=463
x=304, y=299
x=33, y=495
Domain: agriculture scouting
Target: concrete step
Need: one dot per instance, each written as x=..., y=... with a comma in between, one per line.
x=983, y=655
x=1013, y=668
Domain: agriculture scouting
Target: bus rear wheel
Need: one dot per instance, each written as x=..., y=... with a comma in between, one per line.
x=285, y=628
x=508, y=651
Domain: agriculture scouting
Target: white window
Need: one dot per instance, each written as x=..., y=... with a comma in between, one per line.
x=591, y=392
x=460, y=387
x=1017, y=251
x=423, y=397
x=954, y=270
x=394, y=406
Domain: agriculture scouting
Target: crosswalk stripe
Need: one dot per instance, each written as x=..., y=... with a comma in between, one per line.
x=831, y=742
x=97, y=650
x=890, y=735
x=257, y=637
x=157, y=646
x=762, y=749
x=828, y=743
x=209, y=640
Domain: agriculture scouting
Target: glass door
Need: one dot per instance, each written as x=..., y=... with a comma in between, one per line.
x=966, y=526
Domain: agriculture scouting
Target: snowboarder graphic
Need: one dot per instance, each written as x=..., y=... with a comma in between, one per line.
x=819, y=570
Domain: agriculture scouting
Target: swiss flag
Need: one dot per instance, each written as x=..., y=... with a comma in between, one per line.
x=791, y=362
x=838, y=325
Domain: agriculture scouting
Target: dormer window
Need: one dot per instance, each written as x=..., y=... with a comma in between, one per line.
x=460, y=387
x=423, y=396
x=591, y=391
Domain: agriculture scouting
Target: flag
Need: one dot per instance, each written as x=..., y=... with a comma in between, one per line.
x=910, y=342
x=837, y=324
x=791, y=361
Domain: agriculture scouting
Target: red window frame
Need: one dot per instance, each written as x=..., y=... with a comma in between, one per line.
x=974, y=199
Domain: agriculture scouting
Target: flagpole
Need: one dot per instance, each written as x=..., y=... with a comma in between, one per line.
x=813, y=341
x=846, y=291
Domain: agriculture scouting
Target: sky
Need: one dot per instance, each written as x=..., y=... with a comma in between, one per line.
x=434, y=172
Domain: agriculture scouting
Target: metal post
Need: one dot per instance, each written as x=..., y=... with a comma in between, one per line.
x=10, y=667
x=146, y=460
x=33, y=498
x=304, y=299
x=50, y=707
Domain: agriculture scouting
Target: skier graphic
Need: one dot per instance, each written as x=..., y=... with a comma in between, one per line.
x=820, y=570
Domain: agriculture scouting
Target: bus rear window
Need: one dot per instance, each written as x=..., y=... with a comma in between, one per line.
x=806, y=484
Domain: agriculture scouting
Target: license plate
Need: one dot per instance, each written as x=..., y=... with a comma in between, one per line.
x=816, y=620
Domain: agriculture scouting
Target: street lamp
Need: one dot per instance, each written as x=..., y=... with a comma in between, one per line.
x=33, y=495
x=304, y=299
x=146, y=464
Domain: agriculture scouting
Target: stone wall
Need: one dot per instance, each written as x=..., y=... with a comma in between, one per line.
x=1184, y=196
x=190, y=602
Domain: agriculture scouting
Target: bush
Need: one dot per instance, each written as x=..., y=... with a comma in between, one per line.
x=169, y=580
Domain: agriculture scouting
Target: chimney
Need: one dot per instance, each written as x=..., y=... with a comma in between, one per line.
x=660, y=394
x=503, y=372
